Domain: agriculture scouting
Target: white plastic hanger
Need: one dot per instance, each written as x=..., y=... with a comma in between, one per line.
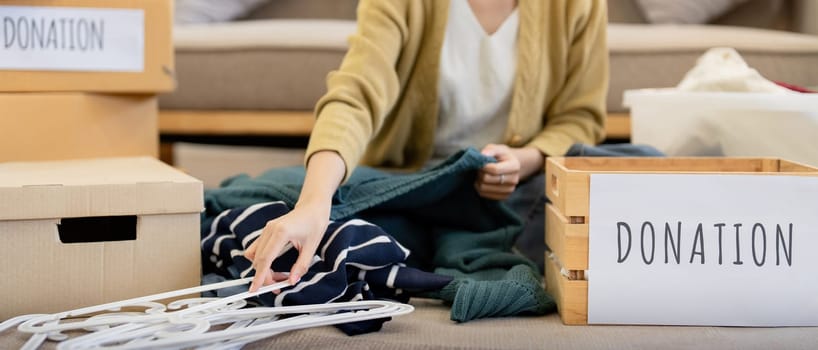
x=193, y=321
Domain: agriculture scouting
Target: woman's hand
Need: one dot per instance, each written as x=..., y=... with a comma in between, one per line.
x=498, y=180
x=304, y=226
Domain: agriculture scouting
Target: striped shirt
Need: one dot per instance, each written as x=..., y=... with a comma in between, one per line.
x=355, y=260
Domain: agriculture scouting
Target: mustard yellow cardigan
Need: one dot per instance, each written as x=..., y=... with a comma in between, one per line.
x=381, y=105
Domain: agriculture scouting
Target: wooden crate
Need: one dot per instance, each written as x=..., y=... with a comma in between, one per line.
x=571, y=295
x=567, y=216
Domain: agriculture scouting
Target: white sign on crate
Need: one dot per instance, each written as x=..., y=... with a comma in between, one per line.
x=72, y=39
x=729, y=250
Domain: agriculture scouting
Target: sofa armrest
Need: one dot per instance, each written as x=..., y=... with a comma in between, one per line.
x=624, y=11
x=805, y=14
x=307, y=9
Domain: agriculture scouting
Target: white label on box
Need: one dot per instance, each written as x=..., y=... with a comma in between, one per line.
x=72, y=39
x=730, y=250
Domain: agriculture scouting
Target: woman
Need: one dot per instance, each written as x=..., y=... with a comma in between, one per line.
x=424, y=78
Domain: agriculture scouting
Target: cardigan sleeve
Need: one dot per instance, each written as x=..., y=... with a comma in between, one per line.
x=363, y=90
x=577, y=112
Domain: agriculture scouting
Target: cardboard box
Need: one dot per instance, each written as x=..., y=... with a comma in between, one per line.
x=55, y=126
x=573, y=183
x=86, y=45
x=78, y=233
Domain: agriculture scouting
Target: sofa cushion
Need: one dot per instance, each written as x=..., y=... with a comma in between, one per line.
x=645, y=56
x=206, y=11
x=685, y=12
x=251, y=65
x=314, y=9
x=770, y=14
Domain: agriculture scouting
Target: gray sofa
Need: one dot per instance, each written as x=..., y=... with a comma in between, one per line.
x=278, y=58
x=767, y=33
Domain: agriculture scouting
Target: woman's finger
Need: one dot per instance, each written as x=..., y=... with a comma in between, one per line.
x=494, y=195
x=499, y=152
x=490, y=188
x=261, y=240
x=305, y=257
x=280, y=276
x=250, y=252
x=501, y=179
x=264, y=258
x=502, y=167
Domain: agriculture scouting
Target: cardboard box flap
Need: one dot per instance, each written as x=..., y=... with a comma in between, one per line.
x=95, y=187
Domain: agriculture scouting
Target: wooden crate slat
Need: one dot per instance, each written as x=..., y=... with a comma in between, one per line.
x=786, y=166
x=571, y=296
x=568, y=191
x=568, y=241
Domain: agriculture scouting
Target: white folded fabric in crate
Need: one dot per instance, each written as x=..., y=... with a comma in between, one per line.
x=723, y=69
x=723, y=107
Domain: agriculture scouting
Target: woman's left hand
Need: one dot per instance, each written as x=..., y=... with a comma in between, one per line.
x=498, y=180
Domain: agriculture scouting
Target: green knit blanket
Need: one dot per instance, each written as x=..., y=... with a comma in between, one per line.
x=436, y=214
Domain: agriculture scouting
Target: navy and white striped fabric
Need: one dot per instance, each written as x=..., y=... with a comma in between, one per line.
x=355, y=260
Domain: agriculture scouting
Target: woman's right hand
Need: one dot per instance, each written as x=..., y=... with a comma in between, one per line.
x=303, y=227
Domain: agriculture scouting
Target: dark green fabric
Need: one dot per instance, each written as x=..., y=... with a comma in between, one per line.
x=436, y=214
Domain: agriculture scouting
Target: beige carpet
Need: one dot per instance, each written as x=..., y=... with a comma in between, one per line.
x=429, y=327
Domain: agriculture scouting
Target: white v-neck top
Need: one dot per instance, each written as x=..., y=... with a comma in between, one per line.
x=476, y=79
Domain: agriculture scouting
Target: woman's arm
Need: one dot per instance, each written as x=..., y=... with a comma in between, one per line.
x=576, y=113
x=303, y=226
x=359, y=95
x=366, y=86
